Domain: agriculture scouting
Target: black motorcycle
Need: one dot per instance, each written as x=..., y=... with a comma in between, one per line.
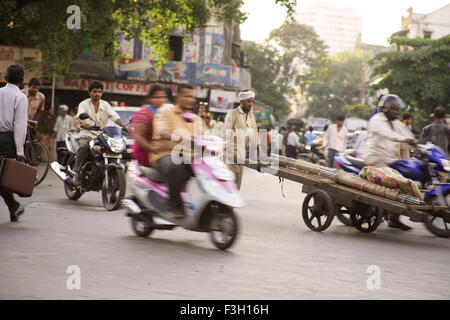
x=103, y=169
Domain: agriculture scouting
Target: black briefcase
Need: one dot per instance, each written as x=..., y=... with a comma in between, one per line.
x=17, y=177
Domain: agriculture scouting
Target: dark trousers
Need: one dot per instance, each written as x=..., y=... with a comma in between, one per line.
x=331, y=154
x=59, y=154
x=291, y=151
x=81, y=154
x=176, y=175
x=8, y=150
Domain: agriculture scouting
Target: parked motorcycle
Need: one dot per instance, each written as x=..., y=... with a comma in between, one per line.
x=102, y=170
x=209, y=197
x=425, y=171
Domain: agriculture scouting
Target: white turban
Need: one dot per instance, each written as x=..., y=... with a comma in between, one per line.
x=246, y=95
x=64, y=107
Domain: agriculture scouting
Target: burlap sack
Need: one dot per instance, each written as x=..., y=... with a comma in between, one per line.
x=391, y=179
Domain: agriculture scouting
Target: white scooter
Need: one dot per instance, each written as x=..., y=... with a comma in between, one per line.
x=209, y=197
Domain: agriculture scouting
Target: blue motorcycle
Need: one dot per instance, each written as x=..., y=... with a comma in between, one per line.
x=428, y=171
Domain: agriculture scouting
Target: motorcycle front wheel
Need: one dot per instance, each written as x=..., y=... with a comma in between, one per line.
x=114, y=193
x=438, y=225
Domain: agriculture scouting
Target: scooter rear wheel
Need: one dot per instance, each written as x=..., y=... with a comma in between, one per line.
x=223, y=228
x=141, y=227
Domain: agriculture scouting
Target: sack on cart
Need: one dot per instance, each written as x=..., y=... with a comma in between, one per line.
x=390, y=178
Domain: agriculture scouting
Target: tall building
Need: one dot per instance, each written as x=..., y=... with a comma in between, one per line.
x=337, y=27
x=432, y=25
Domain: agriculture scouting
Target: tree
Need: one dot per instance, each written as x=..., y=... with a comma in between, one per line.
x=264, y=66
x=420, y=75
x=42, y=24
x=334, y=82
x=275, y=65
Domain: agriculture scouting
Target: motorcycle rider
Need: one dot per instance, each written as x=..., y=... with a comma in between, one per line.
x=384, y=135
x=100, y=112
x=170, y=129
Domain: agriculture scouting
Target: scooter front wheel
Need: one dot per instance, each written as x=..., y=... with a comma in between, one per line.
x=223, y=228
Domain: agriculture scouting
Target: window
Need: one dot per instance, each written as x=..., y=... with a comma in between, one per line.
x=427, y=34
x=176, y=48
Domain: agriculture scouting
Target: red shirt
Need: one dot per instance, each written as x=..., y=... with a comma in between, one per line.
x=144, y=115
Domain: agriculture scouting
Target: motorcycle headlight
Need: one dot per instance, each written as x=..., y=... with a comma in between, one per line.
x=446, y=164
x=116, y=144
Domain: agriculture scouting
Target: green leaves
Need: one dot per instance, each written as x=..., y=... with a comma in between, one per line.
x=420, y=75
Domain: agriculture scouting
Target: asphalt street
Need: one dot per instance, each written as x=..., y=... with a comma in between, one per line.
x=275, y=256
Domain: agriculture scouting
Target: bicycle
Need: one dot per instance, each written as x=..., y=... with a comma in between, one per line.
x=36, y=153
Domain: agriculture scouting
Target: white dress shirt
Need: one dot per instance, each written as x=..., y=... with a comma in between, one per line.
x=334, y=139
x=14, y=114
x=104, y=113
x=383, y=141
x=292, y=139
x=62, y=127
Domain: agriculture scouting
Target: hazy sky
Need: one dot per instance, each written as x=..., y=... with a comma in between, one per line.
x=381, y=17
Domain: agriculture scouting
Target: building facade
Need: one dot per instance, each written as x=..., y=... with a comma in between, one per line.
x=432, y=25
x=337, y=27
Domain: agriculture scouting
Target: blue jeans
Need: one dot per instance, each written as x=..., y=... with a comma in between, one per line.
x=331, y=154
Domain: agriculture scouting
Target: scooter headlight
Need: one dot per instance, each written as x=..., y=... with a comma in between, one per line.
x=446, y=164
x=223, y=174
x=116, y=144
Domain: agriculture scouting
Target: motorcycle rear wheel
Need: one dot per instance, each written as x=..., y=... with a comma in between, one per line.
x=437, y=225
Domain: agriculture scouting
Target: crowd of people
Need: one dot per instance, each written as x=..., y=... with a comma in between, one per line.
x=161, y=124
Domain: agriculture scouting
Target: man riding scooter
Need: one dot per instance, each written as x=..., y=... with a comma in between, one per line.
x=384, y=135
x=170, y=129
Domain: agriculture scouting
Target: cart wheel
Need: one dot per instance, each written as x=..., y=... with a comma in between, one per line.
x=318, y=207
x=343, y=214
x=366, y=218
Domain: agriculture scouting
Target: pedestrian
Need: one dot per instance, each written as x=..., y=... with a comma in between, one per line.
x=335, y=139
x=384, y=134
x=405, y=149
x=310, y=136
x=13, y=128
x=143, y=124
x=276, y=142
x=64, y=123
x=360, y=142
x=292, y=143
x=241, y=134
x=36, y=99
x=438, y=133
x=46, y=123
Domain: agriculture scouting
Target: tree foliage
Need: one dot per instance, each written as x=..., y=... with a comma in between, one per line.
x=333, y=83
x=275, y=65
x=42, y=24
x=420, y=75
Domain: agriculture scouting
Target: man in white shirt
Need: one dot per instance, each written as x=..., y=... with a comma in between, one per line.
x=100, y=112
x=63, y=124
x=384, y=135
x=335, y=139
x=360, y=142
x=276, y=141
x=13, y=128
x=292, y=143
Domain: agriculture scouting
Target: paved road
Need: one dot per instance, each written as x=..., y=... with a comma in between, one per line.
x=275, y=256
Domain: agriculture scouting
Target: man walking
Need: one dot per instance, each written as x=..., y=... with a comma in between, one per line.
x=335, y=138
x=63, y=124
x=292, y=143
x=13, y=128
x=241, y=134
x=438, y=133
